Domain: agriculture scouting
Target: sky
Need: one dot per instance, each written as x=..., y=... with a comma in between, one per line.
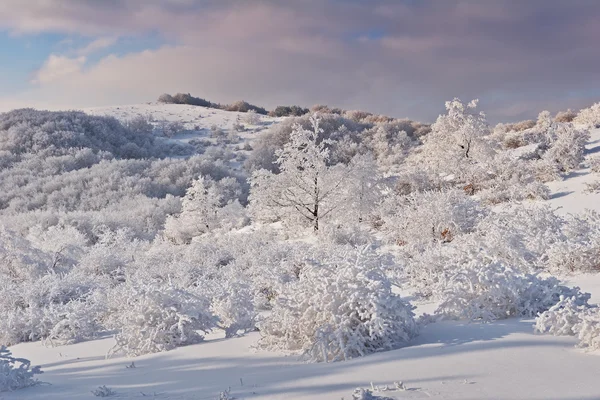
x=402, y=58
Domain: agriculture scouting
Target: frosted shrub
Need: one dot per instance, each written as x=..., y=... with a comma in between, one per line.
x=426, y=268
x=154, y=318
x=562, y=318
x=206, y=206
x=252, y=117
x=521, y=235
x=595, y=164
x=572, y=317
x=565, y=116
x=75, y=321
x=235, y=309
x=589, y=117
x=53, y=306
x=588, y=330
x=430, y=216
x=338, y=309
x=16, y=373
x=489, y=291
x=353, y=235
x=580, y=252
x=567, y=148
x=511, y=179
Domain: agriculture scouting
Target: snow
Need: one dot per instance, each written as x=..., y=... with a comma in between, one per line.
x=448, y=360
x=191, y=117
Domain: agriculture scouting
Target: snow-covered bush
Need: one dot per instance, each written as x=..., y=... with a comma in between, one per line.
x=565, y=116
x=352, y=235
x=53, y=307
x=521, y=235
x=338, y=309
x=566, y=149
x=103, y=391
x=572, y=317
x=152, y=318
x=206, y=206
x=580, y=251
x=430, y=216
x=511, y=179
x=234, y=308
x=589, y=117
x=171, y=128
x=562, y=318
x=595, y=164
x=252, y=117
x=16, y=373
x=488, y=290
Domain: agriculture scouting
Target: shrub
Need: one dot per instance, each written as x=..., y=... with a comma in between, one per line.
x=488, y=290
x=595, y=164
x=286, y=111
x=431, y=216
x=572, y=317
x=589, y=117
x=234, y=308
x=16, y=373
x=139, y=125
x=166, y=99
x=154, y=318
x=170, y=129
x=565, y=116
x=252, y=117
x=580, y=251
x=186, y=98
x=567, y=148
x=244, y=106
x=338, y=309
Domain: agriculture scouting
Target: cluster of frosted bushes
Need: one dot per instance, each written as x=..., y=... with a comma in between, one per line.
x=488, y=290
x=153, y=317
x=156, y=295
x=438, y=232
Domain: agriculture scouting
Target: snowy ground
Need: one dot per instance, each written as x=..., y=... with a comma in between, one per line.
x=449, y=360
x=196, y=120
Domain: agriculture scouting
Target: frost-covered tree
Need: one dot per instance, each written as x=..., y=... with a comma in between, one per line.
x=206, y=206
x=306, y=189
x=361, y=190
x=457, y=140
x=339, y=308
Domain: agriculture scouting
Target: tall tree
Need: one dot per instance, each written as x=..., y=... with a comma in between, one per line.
x=307, y=188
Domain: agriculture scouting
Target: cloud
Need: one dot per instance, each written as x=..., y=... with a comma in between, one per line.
x=57, y=68
x=98, y=44
x=402, y=58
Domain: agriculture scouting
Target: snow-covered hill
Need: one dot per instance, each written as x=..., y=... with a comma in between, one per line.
x=448, y=360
